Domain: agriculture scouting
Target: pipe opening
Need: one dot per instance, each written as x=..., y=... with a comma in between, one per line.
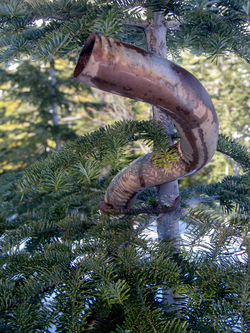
x=84, y=56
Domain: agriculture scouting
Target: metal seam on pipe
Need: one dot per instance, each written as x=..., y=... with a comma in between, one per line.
x=126, y=70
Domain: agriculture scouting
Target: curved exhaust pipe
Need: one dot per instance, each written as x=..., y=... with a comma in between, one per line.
x=129, y=71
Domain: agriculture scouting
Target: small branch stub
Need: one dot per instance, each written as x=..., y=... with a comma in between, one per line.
x=134, y=211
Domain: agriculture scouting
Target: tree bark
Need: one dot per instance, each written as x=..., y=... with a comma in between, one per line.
x=167, y=224
x=54, y=107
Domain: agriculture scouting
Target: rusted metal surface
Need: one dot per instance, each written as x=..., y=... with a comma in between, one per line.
x=123, y=69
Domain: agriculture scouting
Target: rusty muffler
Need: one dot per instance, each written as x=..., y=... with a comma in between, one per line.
x=129, y=71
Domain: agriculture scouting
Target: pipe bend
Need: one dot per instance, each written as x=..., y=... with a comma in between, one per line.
x=129, y=71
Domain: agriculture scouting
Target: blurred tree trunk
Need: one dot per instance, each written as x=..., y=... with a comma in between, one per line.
x=54, y=107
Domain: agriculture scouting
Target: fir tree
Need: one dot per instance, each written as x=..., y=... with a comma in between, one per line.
x=36, y=119
x=89, y=271
x=65, y=263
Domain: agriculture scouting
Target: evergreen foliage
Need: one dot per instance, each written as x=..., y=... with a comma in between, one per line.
x=231, y=148
x=67, y=266
x=210, y=27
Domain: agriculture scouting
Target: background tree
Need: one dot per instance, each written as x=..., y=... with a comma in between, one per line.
x=227, y=83
x=36, y=118
x=65, y=263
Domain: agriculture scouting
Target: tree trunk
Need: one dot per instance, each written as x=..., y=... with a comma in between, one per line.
x=167, y=224
x=54, y=108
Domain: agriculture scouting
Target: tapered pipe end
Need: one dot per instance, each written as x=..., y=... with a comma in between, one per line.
x=103, y=206
x=85, y=54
